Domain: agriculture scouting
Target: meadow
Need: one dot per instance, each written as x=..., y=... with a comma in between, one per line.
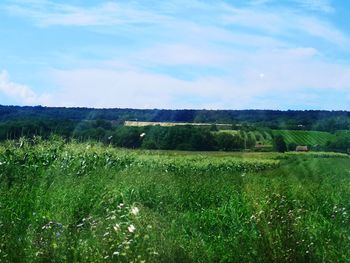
x=85, y=202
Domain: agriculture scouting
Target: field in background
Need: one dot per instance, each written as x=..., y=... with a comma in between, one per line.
x=172, y=124
x=88, y=203
x=311, y=138
x=305, y=137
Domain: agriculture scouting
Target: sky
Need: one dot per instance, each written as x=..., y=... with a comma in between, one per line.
x=176, y=54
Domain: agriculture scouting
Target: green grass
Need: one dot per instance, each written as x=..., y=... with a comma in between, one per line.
x=305, y=137
x=88, y=203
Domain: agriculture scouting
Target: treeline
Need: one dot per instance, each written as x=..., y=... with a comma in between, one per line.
x=187, y=138
x=340, y=144
x=302, y=120
x=152, y=137
x=155, y=137
x=11, y=130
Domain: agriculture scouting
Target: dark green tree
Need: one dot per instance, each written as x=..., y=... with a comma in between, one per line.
x=279, y=144
x=292, y=146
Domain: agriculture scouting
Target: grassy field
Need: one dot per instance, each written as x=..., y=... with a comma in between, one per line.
x=88, y=203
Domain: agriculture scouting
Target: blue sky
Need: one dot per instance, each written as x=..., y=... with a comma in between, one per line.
x=222, y=54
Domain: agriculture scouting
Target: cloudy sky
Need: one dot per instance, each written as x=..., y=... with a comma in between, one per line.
x=213, y=54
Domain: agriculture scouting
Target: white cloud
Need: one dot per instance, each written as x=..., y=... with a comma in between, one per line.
x=285, y=22
x=173, y=17
x=262, y=51
x=289, y=71
x=21, y=93
x=108, y=88
x=180, y=54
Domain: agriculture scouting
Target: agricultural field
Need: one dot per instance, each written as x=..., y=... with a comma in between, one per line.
x=84, y=202
x=261, y=137
x=172, y=124
x=311, y=138
x=305, y=137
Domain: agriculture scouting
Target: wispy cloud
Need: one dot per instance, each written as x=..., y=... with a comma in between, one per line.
x=317, y=5
x=47, y=13
x=277, y=21
x=189, y=54
x=285, y=23
x=324, y=6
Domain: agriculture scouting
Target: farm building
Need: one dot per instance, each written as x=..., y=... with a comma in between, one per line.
x=302, y=148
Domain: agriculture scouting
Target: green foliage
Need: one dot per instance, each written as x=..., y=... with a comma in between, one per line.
x=213, y=128
x=340, y=143
x=229, y=142
x=279, y=144
x=292, y=146
x=239, y=119
x=76, y=202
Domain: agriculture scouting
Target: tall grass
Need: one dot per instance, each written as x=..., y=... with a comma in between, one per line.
x=88, y=203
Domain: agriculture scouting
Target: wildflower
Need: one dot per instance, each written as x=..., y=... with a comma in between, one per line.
x=116, y=253
x=106, y=234
x=135, y=211
x=116, y=227
x=131, y=228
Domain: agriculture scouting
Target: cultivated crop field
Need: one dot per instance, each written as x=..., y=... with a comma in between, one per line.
x=305, y=137
x=70, y=202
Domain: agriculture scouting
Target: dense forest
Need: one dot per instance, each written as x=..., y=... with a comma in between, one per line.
x=307, y=120
x=106, y=126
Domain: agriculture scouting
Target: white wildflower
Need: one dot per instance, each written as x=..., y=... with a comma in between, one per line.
x=135, y=211
x=116, y=227
x=131, y=228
